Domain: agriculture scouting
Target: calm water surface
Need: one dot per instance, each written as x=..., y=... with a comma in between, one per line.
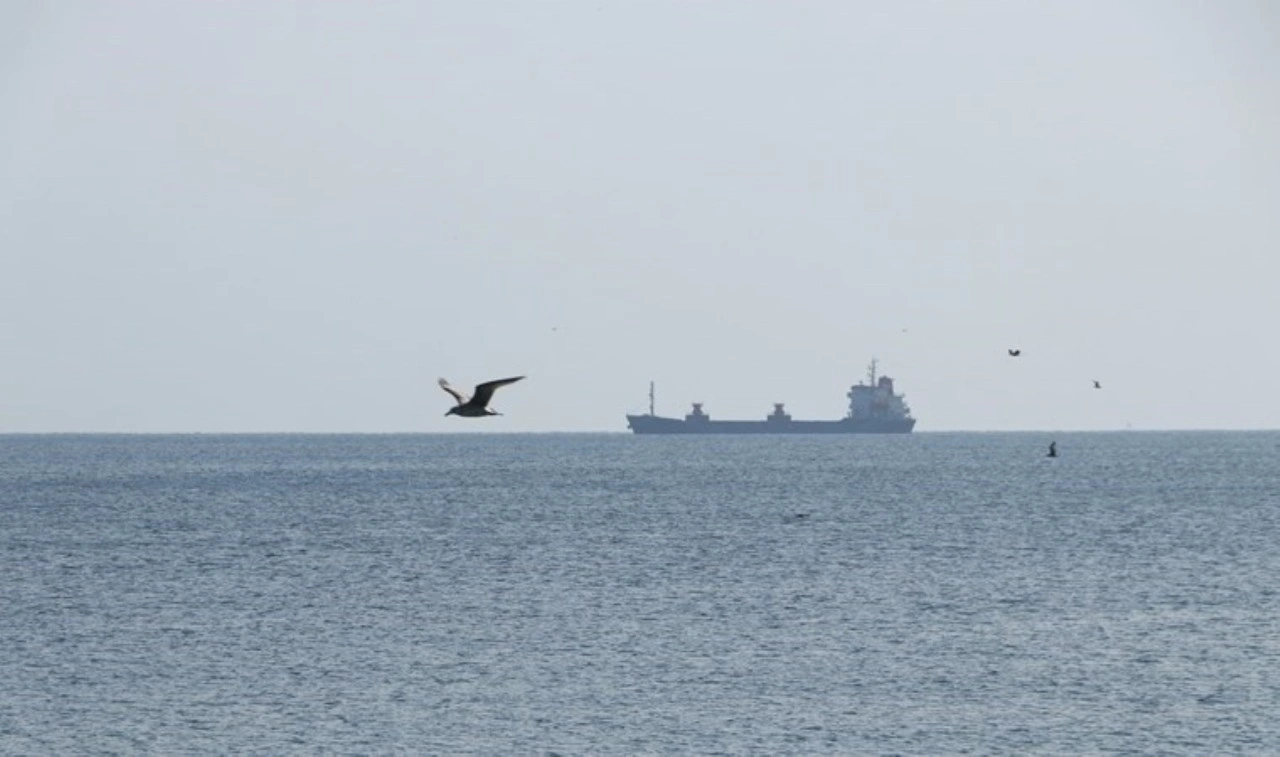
x=611, y=594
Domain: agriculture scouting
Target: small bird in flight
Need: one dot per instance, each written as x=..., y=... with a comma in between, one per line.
x=1097, y=384
x=1014, y=353
x=478, y=405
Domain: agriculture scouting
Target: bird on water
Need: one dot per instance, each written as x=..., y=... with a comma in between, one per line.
x=477, y=406
x=1053, y=449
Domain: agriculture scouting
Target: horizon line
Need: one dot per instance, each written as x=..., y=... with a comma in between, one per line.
x=627, y=432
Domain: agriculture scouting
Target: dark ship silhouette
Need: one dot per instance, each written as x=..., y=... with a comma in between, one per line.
x=873, y=409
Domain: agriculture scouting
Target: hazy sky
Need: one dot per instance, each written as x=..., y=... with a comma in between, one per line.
x=295, y=216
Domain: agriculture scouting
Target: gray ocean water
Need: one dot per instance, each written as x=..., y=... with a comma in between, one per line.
x=610, y=594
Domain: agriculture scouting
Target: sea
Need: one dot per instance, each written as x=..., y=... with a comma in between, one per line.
x=590, y=594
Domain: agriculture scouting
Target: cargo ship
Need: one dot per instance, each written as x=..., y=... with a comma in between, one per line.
x=874, y=408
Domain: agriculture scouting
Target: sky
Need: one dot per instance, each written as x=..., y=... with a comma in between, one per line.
x=295, y=216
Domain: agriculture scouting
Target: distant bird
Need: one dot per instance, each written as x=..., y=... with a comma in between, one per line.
x=1053, y=449
x=478, y=405
x=1014, y=353
x=1096, y=384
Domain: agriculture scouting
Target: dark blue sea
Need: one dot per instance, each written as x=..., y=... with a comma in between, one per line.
x=938, y=593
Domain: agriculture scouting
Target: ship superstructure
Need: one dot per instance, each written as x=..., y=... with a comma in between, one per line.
x=875, y=400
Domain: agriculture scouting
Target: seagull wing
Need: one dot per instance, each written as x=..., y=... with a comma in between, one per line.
x=484, y=392
x=457, y=395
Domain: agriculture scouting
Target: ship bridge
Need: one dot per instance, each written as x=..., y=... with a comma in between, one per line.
x=876, y=400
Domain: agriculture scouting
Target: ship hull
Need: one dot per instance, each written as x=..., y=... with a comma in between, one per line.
x=653, y=424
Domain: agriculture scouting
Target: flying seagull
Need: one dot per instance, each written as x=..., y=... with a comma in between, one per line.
x=478, y=405
x=1097, y=384
x=1014, y=353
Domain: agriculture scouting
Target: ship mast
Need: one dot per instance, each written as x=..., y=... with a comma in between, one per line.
x=871, y=372
x=651, y=398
